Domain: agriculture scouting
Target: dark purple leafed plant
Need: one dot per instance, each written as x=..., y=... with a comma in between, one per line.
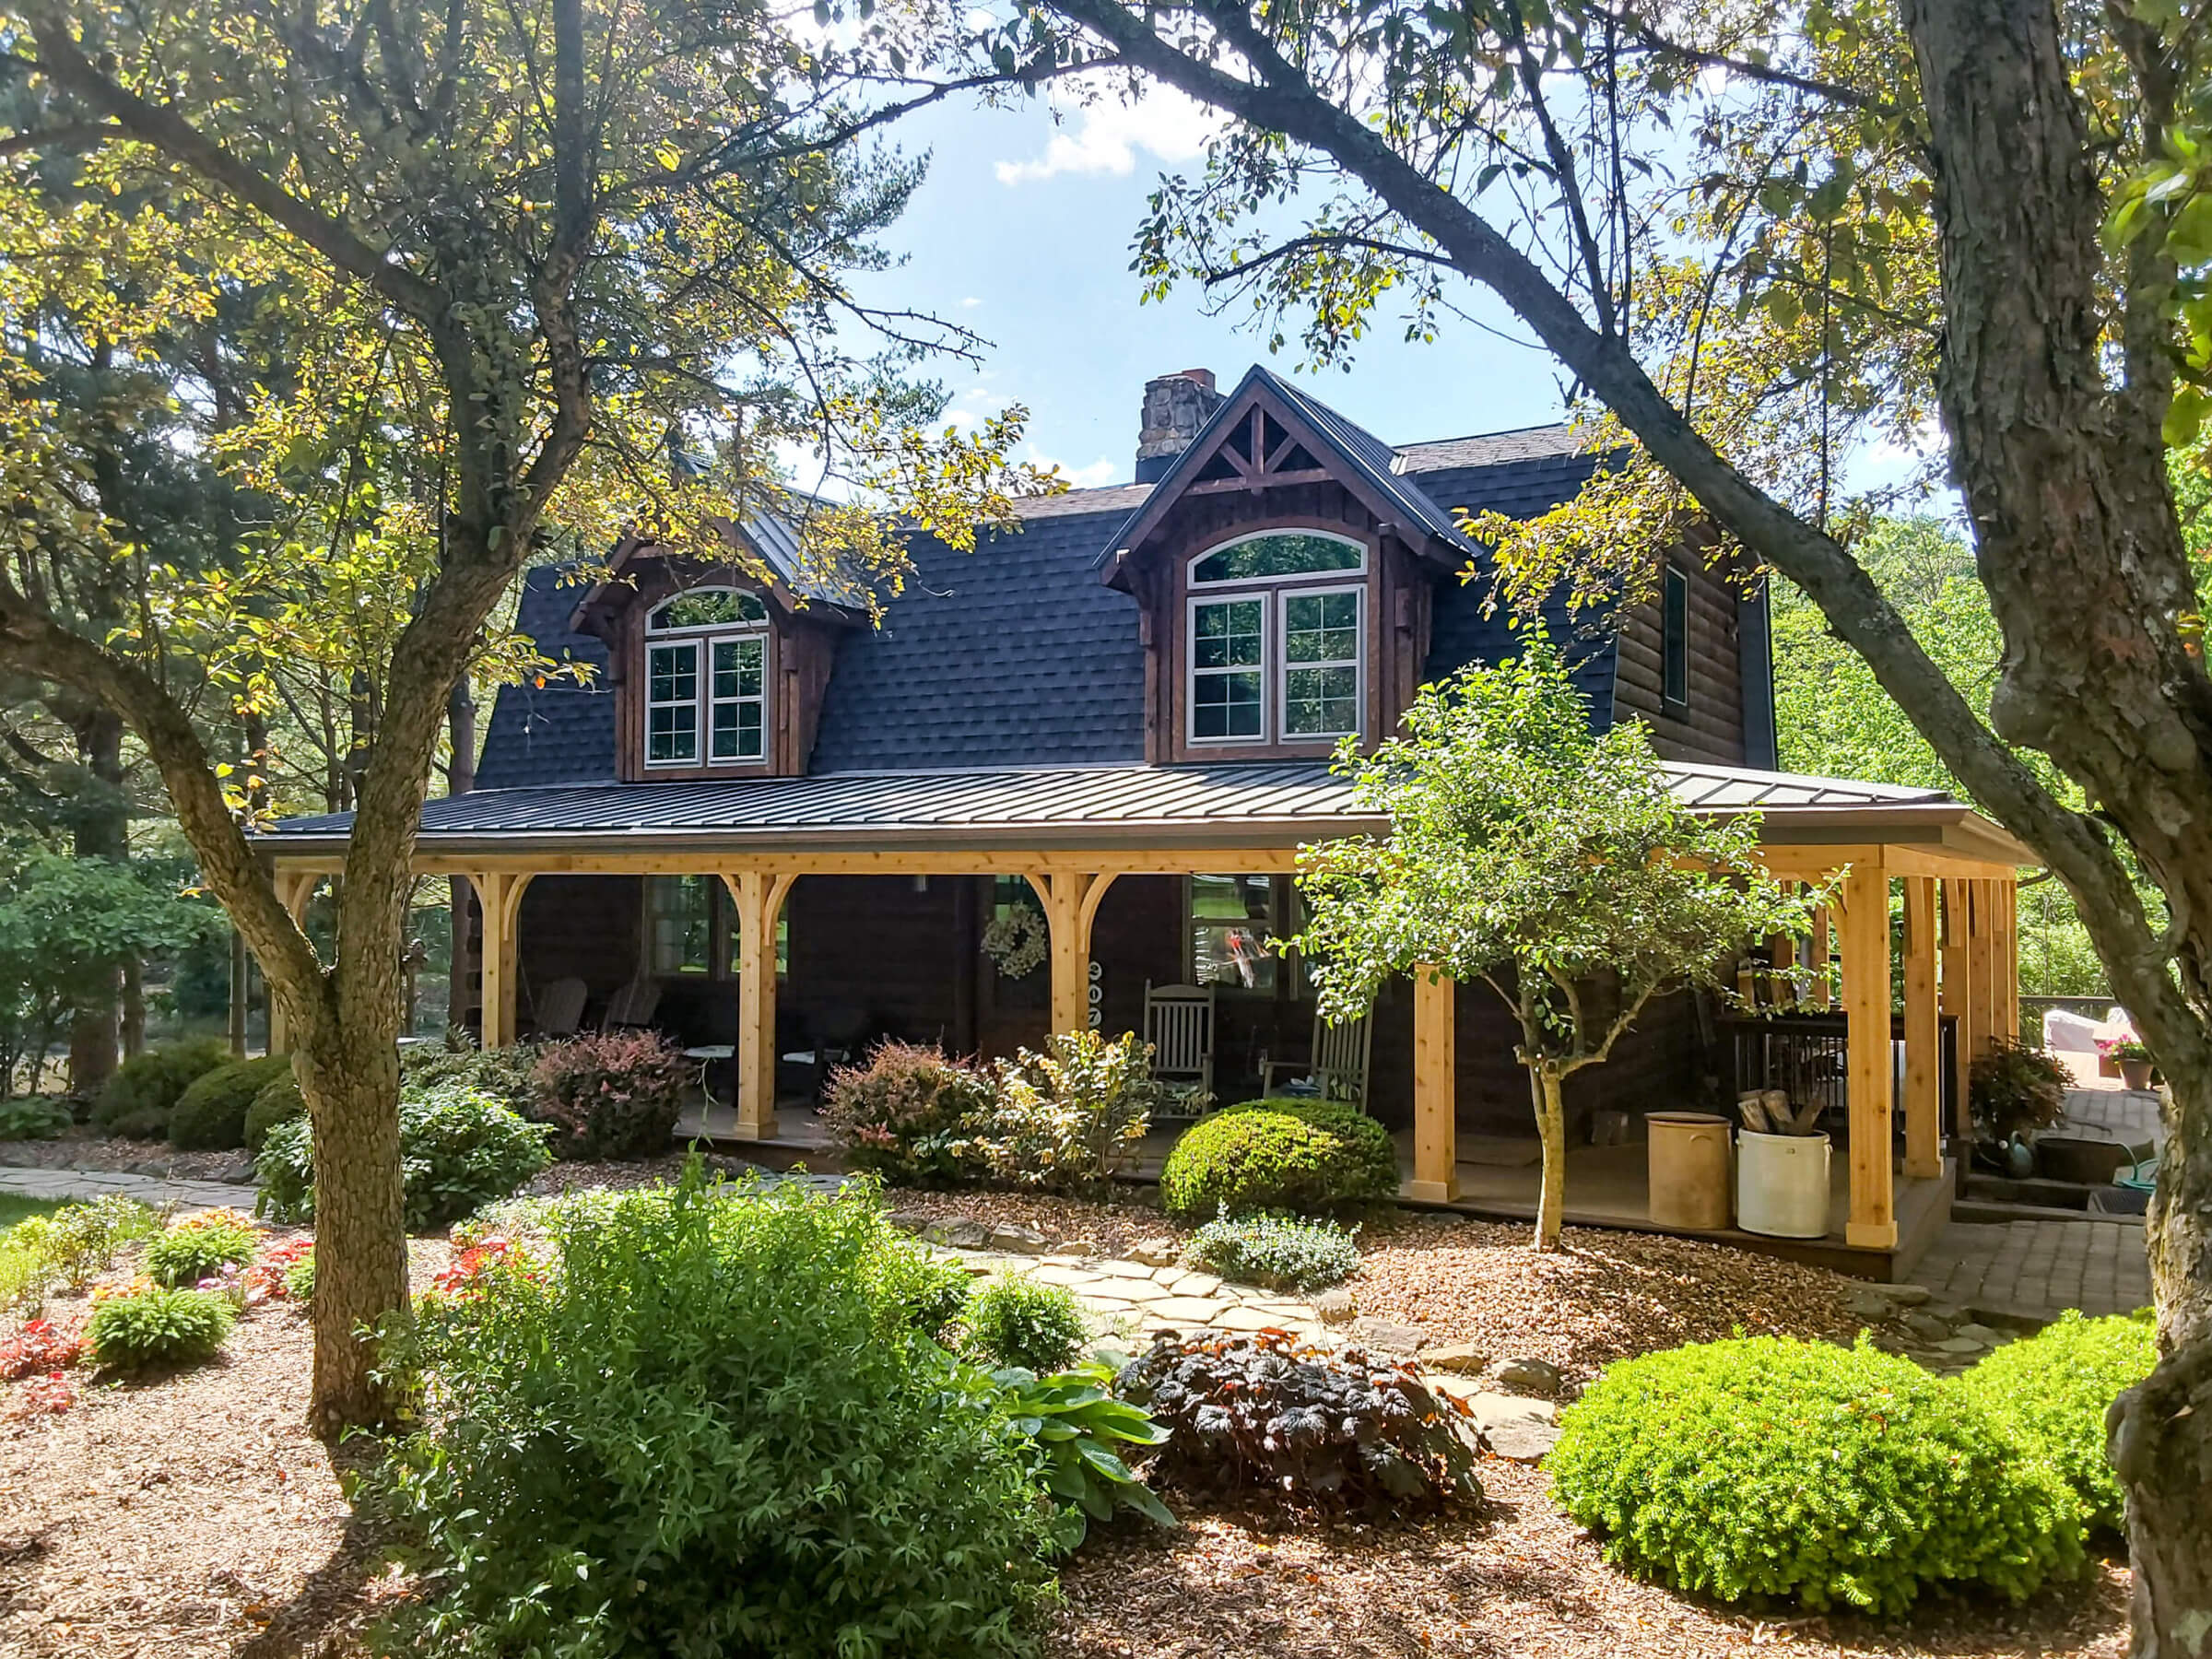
x=610, y=1094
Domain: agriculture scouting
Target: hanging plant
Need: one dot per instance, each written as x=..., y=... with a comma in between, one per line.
x=1016, y=942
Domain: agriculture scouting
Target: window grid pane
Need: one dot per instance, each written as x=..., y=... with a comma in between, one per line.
x=1320, y=654
x=1228, y=688
x=681, y=909
x=739, y=723
x=672, y=703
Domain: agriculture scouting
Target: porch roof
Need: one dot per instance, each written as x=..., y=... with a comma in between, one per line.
x=1224, y=804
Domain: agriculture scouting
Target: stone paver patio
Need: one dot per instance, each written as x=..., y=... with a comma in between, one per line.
x=2037, y=1269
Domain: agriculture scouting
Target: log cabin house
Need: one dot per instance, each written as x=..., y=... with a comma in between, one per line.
x=795, y=825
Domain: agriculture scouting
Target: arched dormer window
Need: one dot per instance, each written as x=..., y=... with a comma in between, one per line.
x=706, y=679
x=1276, y=638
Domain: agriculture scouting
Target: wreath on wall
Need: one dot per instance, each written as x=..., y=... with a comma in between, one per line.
x=1017, y=941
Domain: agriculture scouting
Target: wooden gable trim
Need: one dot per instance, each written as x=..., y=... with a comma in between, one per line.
x=1248, y=413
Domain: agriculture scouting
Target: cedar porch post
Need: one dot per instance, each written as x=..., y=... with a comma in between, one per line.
x=2007, y=955
x=759, y=899
x=1958, y=982
x=1981, y=961
x=1866, y=929
x=1924, y=1035
x=1816, y=958
x=294, y=889
x=499, y=897
x=1071, y=904
x=1435, y=1089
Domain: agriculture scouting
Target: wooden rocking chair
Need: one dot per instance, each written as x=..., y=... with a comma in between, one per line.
x=1337, y=1068
x=1179, y=1024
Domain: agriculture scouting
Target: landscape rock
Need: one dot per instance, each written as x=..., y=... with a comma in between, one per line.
x=1960, y=1345
x=1530, y=1377
x=1390, y=1335
x=1928, y=1327
x=911, y=1221
x=1514, y=1428
x=1904, y=1296
x=1019, y=1239
x=1462, y=1356
x=1980, y=1333
x=239, y=1171
x=958, y=1231
x=1866, y=1302
x=1334, y=1306
x=1162, y=1251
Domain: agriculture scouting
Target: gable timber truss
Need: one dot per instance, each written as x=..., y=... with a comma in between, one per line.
x=1268, y=435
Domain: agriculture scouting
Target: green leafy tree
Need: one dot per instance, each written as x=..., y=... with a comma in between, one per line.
x=1761, y=237
x=538, y=274
x=1549, y=861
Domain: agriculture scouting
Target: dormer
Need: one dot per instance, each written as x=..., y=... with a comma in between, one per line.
x=717, y=671
x=1283, y=571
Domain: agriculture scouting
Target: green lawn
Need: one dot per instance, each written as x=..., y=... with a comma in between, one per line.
x=14, y=1209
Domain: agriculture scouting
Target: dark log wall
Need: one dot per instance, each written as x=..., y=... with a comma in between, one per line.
x=1712, y=726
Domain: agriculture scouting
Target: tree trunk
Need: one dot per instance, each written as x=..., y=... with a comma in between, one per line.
x=103, y=831
x=351, y=1080
x=241, y=992
x=133, y=1022
x=460, y=778
x=1551, y=1129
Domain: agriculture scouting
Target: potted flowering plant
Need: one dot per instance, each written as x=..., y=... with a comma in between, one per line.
x=2133, y=1057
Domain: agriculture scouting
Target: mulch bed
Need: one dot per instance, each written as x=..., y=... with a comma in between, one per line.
x=193, y=1517
x=84, y=1147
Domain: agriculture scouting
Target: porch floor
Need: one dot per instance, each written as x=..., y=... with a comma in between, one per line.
x=1500, y=1178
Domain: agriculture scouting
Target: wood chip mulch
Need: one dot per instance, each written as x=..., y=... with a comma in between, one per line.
x=1518, y=1580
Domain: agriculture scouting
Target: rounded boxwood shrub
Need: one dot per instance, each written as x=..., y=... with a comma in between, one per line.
x=143, y=1329
x=1310, y=1158
x=278, y=1101
x=136, y=1101
x=1769, y=1467
x=715, y=1430
x=1022, y=1322
x=458, y=1149
x=210, y=1116
x=2053, y=1391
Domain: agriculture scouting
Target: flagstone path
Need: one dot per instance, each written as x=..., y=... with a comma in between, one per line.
x=62, y=1184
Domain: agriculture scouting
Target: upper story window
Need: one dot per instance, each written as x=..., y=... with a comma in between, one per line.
x=706, y=679
x=1277, y=651
x=1673, y=634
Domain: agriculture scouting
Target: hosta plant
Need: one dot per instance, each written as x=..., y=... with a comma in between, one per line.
x=1072, y=1427
x=1261, y=1416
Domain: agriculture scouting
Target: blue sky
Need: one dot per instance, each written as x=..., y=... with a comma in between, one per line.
x=1022, y=232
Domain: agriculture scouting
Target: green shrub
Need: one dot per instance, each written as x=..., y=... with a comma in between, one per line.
x=1068, y=1119
x=1072, y=1428
x=200, y=1247
x=612, y=1094
x=1020, y=1322
x=34, y=1117
x=1311, y=1158
x=907, y=1115
x=937, y=1293
x=2054, y=1389
x=504, y=1072
x=1776, y=1468
x=1276, y=1251
x=210, y=1116
x=158, y=1328
x=458, y=1149
x=300, y=1279
x=80, y=1239
x=278, y=1101
x=714, y=1431
x=139, y=1094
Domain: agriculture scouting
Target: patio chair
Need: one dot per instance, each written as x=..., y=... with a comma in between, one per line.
x=558, y=1010
x=1179, y=1024
x=1336, y=1069
x=634, y=1005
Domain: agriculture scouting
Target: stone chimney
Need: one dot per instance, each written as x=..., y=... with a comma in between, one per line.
x=1176, y=405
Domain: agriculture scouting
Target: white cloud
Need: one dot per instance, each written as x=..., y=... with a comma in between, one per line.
x=1102, y=471
x=970, y=302
x=1108, y=132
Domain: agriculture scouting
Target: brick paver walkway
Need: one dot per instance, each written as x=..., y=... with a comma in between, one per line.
x=146, y=1189
x=2037, y=1269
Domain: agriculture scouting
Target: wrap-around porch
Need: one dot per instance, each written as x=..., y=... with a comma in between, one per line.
x=1919, y=995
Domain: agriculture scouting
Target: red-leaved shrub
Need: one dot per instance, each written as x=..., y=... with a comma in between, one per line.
x=608, y=1095
x=40, y=1345
x=910, y=1114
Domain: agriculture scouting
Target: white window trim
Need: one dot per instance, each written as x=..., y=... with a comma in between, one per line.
x=1225, y=595
x=1190, y=568
x=694, y=702
x=709, y=702
x=1280, y=661
x=700, y=639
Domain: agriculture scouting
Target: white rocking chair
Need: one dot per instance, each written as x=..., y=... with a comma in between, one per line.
x=1179, y=1024
x=1339, y=1066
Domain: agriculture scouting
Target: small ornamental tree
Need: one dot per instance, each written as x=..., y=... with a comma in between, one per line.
x=1543, y=857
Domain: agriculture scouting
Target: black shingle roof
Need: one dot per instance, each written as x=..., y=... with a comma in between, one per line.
x=1017, y=654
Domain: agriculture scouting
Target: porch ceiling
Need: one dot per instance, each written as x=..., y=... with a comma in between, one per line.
x=1227, y=805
